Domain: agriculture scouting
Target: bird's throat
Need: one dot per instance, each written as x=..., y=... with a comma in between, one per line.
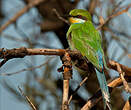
x=76, y=20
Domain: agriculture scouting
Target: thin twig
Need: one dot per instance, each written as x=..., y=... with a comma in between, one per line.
x=126, y=86
x=28, y=100
x=125, y=69
x=61, y=18
x=82, y=82
x=121, y=73
x=26, y=69
x=113, y=16
x=98, y=96
x=20, y=13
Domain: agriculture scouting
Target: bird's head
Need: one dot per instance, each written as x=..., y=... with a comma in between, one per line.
x=79, y=16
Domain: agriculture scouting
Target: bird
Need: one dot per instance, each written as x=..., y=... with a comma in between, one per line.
x=83, y=37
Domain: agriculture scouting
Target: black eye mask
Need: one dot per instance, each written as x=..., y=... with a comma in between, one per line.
x=81, y=17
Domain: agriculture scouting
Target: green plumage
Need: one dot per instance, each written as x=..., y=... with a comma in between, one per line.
x=83, y=36
x=82, y=12
x=86, y=39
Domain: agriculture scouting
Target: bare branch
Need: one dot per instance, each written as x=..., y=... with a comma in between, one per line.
x=20, y=13
x=113, y=16
x=22, y=52
x=26, y=69
x=82, y=82
x=112, y=65
x=98, y=96
x=127, y=105
x=28, y=100
x=61, y=18
x=67, y=75
x=127, y=88
x=65, y=105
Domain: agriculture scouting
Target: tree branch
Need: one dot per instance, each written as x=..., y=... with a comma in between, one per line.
x=127, y=105
x=67, y=75
x=113, y=65
x=121, y=73
x=20, y=13
x=78, y=87
x=113, y=16
x=28, y=100
x=60, y=17
x=26, y=69
x=22, y=52
x=98, y=96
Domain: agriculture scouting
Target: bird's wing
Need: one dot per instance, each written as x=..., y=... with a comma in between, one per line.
x=83, y=41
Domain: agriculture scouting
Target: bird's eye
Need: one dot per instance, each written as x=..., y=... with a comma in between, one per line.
x=79, y=16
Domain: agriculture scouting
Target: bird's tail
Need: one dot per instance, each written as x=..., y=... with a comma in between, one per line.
x=104, y=88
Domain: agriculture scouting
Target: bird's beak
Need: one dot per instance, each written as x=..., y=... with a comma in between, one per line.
x=73, y=20
x=70, y=19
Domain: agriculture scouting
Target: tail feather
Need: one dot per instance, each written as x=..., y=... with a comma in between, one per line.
x=104, y=88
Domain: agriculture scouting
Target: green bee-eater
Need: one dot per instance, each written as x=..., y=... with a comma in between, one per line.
x=83, y=36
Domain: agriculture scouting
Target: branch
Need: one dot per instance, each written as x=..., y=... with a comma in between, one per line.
x=67, y=75
x=113, y=65
x=20, y=13
x=121, y=73
x=78, y=87
x=26, y=69
x=117, y=82
x=127, y=105
x=113, y=16
x=61, y=18
x=28, y=100
x=98, y=96
x=22, y=52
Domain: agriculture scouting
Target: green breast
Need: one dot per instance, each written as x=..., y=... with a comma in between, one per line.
x=86, y=39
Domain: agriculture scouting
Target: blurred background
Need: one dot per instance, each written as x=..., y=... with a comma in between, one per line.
x=41, y=28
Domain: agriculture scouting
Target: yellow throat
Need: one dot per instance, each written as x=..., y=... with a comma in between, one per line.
x=76, y=20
